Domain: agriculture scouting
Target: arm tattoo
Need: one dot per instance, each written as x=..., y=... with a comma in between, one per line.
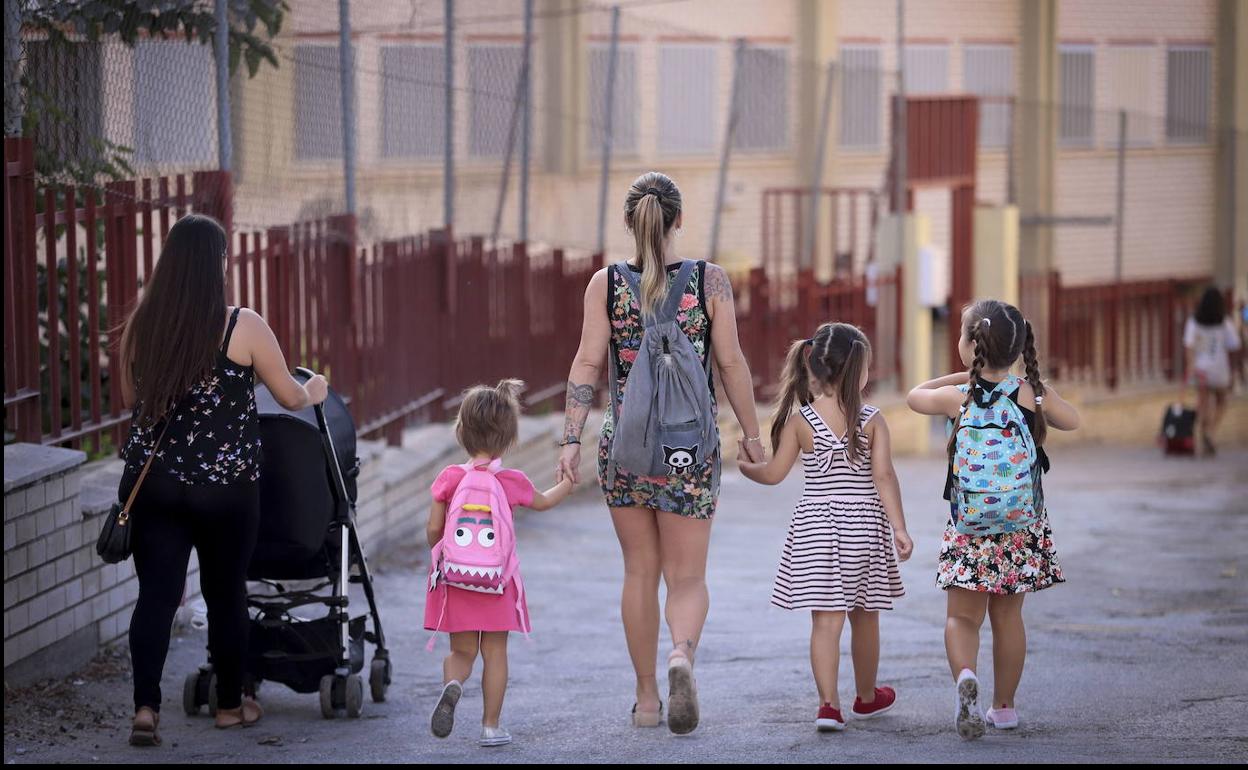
x=576, y=409
x=717, y=284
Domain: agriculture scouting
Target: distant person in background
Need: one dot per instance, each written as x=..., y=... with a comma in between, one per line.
x=1209, y=338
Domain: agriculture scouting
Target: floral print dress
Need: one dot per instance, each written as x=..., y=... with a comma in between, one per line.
x=695, y=492
x=1008, y=563
x=215, y=434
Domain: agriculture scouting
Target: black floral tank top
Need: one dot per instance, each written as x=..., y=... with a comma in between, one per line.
x=215, y=434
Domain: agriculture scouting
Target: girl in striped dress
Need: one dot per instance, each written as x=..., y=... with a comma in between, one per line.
x=839, y=558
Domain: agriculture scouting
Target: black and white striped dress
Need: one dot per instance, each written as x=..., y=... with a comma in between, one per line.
x=839, y=552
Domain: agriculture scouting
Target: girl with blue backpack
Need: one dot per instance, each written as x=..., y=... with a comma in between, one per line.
x=848, y=531
x=474, y=588
x=997, y=545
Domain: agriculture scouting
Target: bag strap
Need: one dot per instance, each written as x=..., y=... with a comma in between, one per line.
x=676, y=292
x=147, y=466
x=234, y=320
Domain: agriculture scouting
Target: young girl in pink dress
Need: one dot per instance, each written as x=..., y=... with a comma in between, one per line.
x=480, y=622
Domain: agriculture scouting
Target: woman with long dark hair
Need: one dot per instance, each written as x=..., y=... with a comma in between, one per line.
x=188, y=368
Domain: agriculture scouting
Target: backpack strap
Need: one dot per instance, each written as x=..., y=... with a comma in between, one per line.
x=631, y=278
x=229, y=330
x=676, y=292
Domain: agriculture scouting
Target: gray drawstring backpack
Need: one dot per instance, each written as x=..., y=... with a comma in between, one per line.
x=666, y=423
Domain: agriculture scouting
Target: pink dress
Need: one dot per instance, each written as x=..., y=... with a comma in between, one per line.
x=462, y=610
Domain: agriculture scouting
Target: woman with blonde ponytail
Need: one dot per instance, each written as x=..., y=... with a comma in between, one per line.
x=848, y=532
x=991, y=573
x=663, y=522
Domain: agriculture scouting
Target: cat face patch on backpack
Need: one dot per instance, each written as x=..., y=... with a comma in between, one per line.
x=994, y=464
x=679, y=459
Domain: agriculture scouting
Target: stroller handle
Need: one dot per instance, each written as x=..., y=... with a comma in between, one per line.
x=319, y=409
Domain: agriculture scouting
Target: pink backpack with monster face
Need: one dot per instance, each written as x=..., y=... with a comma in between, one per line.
x=477, y=551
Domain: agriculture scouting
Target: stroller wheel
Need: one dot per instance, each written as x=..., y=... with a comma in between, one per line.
x=327, y=697
x=190, y=694
x=379, y=679
x=212, y=695
x=355, y=696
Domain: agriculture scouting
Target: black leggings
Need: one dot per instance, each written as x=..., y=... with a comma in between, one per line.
x=220, y=521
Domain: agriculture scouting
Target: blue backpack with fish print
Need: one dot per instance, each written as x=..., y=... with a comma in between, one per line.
x=994, y=464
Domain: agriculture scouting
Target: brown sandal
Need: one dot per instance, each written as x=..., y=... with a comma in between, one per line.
x=144, y=730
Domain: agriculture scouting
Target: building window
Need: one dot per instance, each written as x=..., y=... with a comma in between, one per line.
x=763, y=114
x=624, y=113
x=988, y=71
x=1188, y=87
x=927, y=69
x=413, y=106
x=175, y=103
x=1130, y=86
x=318, y=103
x=1077, y=120
x=66, y=96
x=687, y=86
x=860, y=117
x=493, y=78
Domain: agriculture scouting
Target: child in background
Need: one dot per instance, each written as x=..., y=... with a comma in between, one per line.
x=475, y=590
x=1210, y=340
x=839, y=557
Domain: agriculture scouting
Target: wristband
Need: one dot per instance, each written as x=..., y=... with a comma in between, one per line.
x=567, y=441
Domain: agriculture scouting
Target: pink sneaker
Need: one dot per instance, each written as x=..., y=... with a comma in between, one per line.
x=829, y=719
x=885, y=699
x=1002, y=718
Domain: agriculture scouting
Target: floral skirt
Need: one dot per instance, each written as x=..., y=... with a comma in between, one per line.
x=1010, y=563
x=693, y=493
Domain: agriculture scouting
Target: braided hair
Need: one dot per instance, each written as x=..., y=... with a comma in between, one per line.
x=838, y=355
x=999, y=336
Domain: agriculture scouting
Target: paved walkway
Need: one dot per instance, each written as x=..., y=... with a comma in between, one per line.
x=1141, y=656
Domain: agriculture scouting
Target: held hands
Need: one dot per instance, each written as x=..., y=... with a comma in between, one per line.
x=569, y=464
x=903, y=543
x=751, y=451
x=317, y=388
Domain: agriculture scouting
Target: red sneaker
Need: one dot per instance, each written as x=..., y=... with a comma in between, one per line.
x=829, y=719
x=885, y=697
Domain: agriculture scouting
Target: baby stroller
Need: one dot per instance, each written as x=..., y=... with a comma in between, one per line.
x=307, y=544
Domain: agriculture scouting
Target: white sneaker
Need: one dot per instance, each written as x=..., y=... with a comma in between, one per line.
x=968, y=720
x=494, y=736
x=443, y=717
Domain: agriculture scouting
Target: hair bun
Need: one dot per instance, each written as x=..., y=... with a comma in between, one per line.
x=510, y=387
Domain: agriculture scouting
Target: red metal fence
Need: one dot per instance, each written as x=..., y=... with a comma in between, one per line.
x=1113, y=333
x=400, y=327
x=775, y=310
x=74, y=259
x=844, y=230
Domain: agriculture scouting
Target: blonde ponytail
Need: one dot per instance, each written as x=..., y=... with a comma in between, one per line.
x=650, y=210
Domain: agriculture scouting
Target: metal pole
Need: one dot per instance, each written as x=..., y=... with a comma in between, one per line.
x=346, y=72
x=448, y=140
x=729, y=132
x=608, y=132
x=899, y=180
x=1011, y=193
x=526, y=119
x=221, y=50
x=1121, y=196
x=14, y=98
x=505, y=179
x=807, y=258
